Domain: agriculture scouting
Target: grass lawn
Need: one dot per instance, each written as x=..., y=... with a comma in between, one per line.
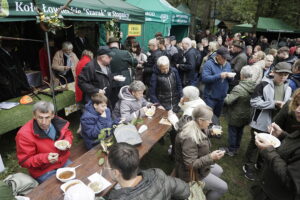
x=157, y=157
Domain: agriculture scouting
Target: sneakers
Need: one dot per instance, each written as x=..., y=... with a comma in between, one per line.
x=249, y=173
x=227, y=151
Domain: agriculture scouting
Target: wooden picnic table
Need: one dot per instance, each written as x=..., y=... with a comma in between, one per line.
x=50, y=189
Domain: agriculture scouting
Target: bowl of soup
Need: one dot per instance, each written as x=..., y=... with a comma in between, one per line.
x=96, y=186
x=65, y=174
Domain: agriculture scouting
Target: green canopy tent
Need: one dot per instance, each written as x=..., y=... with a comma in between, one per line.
x=87, y=10
x=160, y=16
x=267, y=25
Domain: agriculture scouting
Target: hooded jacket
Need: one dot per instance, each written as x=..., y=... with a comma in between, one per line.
x=34, y=146
x=166, y=89
x=263, y=103
x=128, y=106
x=155, y=185
x=92, y=123
x=187, y=109
x=238, y=102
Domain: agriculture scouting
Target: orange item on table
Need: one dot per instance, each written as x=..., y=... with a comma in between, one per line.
x=26, y=100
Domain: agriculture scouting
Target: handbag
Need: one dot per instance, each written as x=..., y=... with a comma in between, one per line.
x=20, y=183
x=196, y=186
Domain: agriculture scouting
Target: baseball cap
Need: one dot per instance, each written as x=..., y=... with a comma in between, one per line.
x=104, y=50
x=283, y=67
x=222, y=51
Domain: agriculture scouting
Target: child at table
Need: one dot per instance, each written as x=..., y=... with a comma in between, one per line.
x=95, y=118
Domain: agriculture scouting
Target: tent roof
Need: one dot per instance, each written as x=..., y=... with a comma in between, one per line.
x=267, y=25
x=184, y=8
x=87, y=10
x=161, y=11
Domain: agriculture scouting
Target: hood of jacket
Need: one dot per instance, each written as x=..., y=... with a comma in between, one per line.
x=248, y=85
x=189, y=106
x=149, y=178
x=125, y=94
x=89, y=107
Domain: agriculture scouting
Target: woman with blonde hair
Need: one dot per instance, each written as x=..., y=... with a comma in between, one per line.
x=192, y=152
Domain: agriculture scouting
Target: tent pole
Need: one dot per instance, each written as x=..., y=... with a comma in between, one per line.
x=278, y=38
x=51, y=73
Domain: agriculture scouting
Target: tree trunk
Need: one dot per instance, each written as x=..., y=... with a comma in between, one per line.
x=193, y=7
x=257, y=14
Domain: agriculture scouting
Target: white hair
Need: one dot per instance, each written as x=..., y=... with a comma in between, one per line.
x=187, y=41
x=153, y=42
x=246, y=72
x=194, y=43
x=43, y=107
x=191, y=92
x=67, y=46
x=137, y=86
x=269, y=56
x=162, y=61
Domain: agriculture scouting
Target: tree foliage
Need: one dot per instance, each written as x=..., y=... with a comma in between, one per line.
x=245, y=10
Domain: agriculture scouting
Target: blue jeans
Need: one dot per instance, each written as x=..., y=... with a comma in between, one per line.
x=47, y=175
x=234, y=137
x=215, y=104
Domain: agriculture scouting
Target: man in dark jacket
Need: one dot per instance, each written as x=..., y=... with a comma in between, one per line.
x=120, y=64
x=149, y=184
x=165, y=86
x=187, y=70
x=81, y=42
x=96, y=77
x=238, y=61
x=13, y=81
x=153, y=55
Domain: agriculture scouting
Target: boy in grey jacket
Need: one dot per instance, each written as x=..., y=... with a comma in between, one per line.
x=268, y=98
x=149, y=184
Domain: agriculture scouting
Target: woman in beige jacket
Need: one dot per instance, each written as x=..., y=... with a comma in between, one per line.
x=64, y=62
x=192, y=150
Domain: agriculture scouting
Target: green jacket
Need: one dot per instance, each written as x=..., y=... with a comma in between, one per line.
x=5, y=192
x=121, y=61
x=238, y=102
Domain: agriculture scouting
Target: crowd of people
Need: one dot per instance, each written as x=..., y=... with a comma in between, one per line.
x=247, y=79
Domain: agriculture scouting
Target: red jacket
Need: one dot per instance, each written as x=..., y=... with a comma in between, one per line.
x=33, y=146
x=81, y=64
x=44, y=65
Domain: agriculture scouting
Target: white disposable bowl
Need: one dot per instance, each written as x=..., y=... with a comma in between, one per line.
x=99, y=184
x=65, y=185
x=61, y=145
x=231, y=74
x=60, y=170
x=265, y=136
